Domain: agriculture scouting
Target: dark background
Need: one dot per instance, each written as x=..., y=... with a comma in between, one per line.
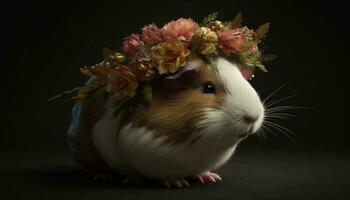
x=44, y=44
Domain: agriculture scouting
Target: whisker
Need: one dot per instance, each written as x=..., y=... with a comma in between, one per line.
x=268, y=105
x=283, y=130
x=264, y=135
x=274, y=92
x=284, y=133
x=273, y=113
x=268, y=129
x=280, y=114
x=261, y=135
x=279, y=126
x=277, y=115
x=281, y=108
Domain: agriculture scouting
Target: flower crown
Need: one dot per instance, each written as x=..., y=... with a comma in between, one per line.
x=158, y=52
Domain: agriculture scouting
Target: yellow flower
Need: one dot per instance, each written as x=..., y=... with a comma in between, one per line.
x=207, y=35
x=170, y=56
x=215, y=25
x=208, y=40
x=122, y=82
x=207, y=48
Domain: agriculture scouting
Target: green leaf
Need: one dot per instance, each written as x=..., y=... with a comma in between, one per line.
x=227, y=24
x=63, y=94
x=249, y=58
x=147, y=93
x=211, y=17
x=237, y=21
x=259, y=65
x=262, y=31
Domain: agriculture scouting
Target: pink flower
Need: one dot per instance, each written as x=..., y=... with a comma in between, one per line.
x=232, y=41
x=181, y=29
x=132, y=44
x=151, y=34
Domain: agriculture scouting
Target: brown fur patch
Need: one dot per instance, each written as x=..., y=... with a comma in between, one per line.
x=174, y=113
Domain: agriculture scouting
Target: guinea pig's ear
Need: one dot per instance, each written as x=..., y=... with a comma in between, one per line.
x=247, y=71
x=186, y=76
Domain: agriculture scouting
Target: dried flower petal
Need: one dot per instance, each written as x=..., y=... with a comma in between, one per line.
x=208, y=40
x=132, y=44
x=122, y=82
x=181, y=29
x=232, y=41
x=99, y=70
x=113, y=57
x=151, y=34
x=170, y=56
x=144, y=71
x=215, y=25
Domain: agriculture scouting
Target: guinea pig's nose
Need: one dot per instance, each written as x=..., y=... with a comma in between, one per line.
x=249, y=119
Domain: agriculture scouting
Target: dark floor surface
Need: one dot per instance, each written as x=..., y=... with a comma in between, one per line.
x=251, y=174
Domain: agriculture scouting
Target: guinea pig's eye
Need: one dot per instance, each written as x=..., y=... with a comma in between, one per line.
x=208, y=87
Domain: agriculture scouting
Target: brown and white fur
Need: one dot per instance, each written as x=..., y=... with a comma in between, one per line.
x=182, y=133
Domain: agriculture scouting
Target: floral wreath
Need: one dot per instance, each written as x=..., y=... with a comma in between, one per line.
x=158, y=52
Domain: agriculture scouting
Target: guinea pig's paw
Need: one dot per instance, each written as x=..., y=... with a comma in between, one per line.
x=103, y=176
x=176, y=183
x=208, y=177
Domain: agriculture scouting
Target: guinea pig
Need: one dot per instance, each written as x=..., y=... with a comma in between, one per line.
x=196, y=120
